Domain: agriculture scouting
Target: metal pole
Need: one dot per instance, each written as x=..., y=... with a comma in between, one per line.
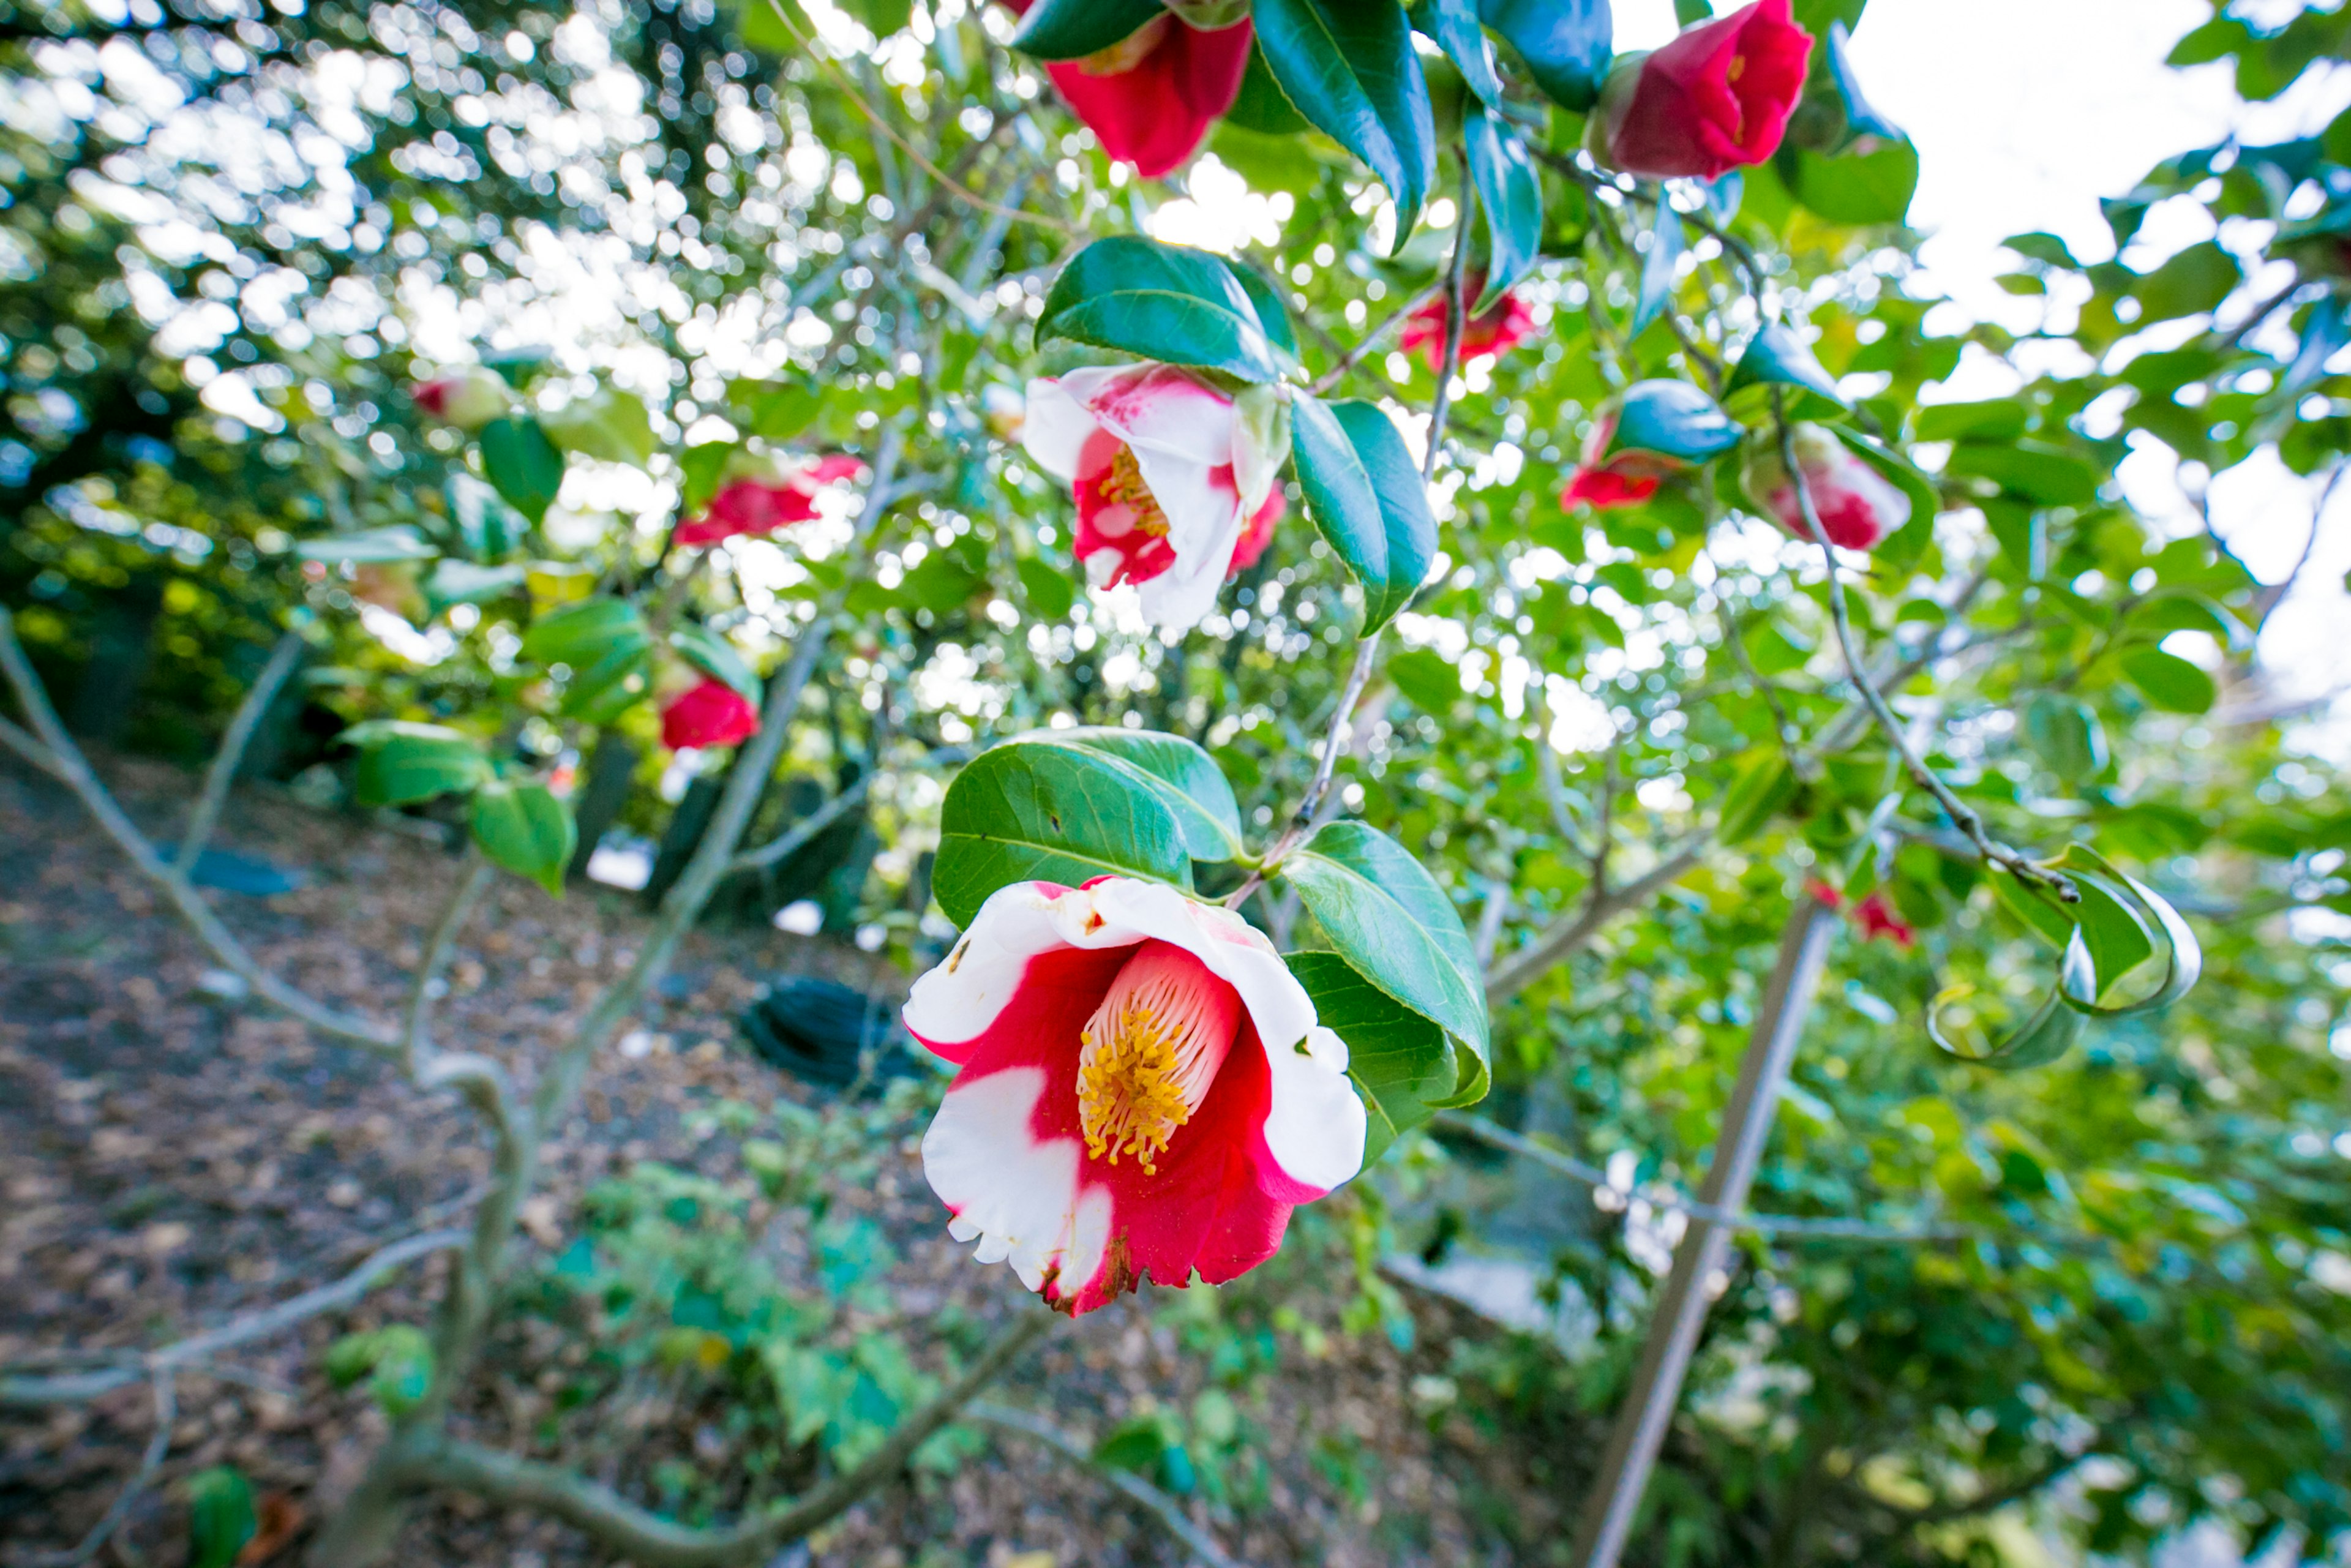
x=1649, y=1409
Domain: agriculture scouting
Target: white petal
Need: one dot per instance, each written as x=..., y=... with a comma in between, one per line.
x=1316, y=1124
x=1057, y=425
x=1158, y=408
x=1019, y=1196
x=959, y=999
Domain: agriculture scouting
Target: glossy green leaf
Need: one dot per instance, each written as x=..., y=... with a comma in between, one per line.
x=1510, y=198
x=1403, y=1065
x=1273, y=316
x=2048, y=1033
x=524, y=828
x=1185, y=777
x=2000, y=419
x=463, y=583
x=2190, y=282
x=2170, y=682
x=375, y=546
x=1262, y=109
x=1386, y=916
x=2067, y=736
x=488, y=529
x=1349, y=68
x=1453, y=27
x=716, y=657
x=1776, y=357
x=1163, y=302
x=402, y=763
x=221, y=1518
x=1051, y=592
x=2045, y=474
x=403, y=1371
x=1762, y=786
x=1666, y=247
x=577, y=634
x=608, y=423
x=1864, y=189
x=1674, y=419
x=2105, y=938
x=1364, y=493
x=522, y=464
x=1074, y=29
x=1023, y=811
x=1860, y=118
x=776, y=410
x=1565, y=45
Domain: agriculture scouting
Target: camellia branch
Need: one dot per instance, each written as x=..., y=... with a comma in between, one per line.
x=1371, y=340
x=646, y=1538
x=1199, y=1541
x=1570, y=932
x=2015, y=863
x=159, y=1446
x=230, y=754
x=67, y=763
x=417, y=1016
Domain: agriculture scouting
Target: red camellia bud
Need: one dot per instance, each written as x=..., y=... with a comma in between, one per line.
x=760, y=503
x=1874, y=917
x=1152, y=96
x=1497, y=330
x=711, y=713
x=1604, y=483
x=1858, y=506
x=1715, y=98
x=466, y=399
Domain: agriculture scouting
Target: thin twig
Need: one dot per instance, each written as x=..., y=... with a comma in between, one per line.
x=76, y=772
x=2014, y=861
x=167, y=1411
x=1370, y=341
x=31, y=750
x=1569, y=933
x=1199, y=1541
x=416, y=1017
x=1657, y=1197
x=831, y=811
x=230, y=754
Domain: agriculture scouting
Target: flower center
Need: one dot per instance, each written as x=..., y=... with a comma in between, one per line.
x=1149, y=1052
x=1130, y=51
x=1122, y=486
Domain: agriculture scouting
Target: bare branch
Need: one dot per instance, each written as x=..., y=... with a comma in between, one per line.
x=1370, y=341
x=230, y=754
x=417, y=1016
x=646, y=1538
x=167, y=1411
x=31, y=750
x=74, y=770
x=824, y=816
x=1202, y=1545
x=122, y=1367
x=1570, y=932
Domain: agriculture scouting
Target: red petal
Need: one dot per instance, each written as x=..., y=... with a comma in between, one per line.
x=1155, y=116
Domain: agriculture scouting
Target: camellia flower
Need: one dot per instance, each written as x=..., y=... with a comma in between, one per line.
x=1858, y=506
x=1145, y=1089
x=1717, y=97
x=708, y=713
x=1151, y=96
x=1169, y=472
x=762, y=502
x=1257, y=538
x=1497, y=330
x=467, y=398
x=1873, y=916
x=1625, y=479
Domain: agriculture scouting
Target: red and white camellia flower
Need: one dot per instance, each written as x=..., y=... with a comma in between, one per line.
x=1717, y=97
x=1497, y=330
x=1151, y=97
x=770, y=496
x=1858, y=506
x=708, y=713
x=1604, y=481
x=1145, y=1092
x=1170, y=473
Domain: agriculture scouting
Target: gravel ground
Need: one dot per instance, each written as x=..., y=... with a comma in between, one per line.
x=170, y=1160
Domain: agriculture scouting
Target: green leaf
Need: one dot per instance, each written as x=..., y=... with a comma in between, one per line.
x=402, y=763
x=522, y=464
x=1023, y=811
x=1164, y=302
x=1426, y=680
x=2002, y=419
x=1510, y=195
x=1666, y=247
x=1776, y=357
x=1050, y=592
x=1404, y=1066
x=1674, y=419
x=375, y=546
x=716, y=657
x=2190, y=283
x=1565, y=44
x=220, y=1516
x=2045, y=474
x=1262, y=109
x=1387, y=917
x=2067, y=736
x=776, y=410
x=1762, y=786
x=2047, y=1034
x=2170, y=682
x=1350, y=69
x=609, y=425
x=1186, y=778
x=524, y=828
x=403, y=1371
x=1453, y=27
x=1273, y=316
x=1073, y=29
x=1365, y=495
x=700, y=467
x=1862, y=189
x=490, y=528
x=2110, y=944
x=605, y=645
x=463, y=583
x=882, y=18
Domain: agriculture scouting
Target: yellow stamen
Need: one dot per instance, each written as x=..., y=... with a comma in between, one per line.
x=1124, y=485
x=1149, y=1052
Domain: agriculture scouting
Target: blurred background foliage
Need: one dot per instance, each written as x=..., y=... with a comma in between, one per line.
x=235, y=233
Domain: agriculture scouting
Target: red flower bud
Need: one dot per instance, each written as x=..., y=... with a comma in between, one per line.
x=710, y=714
x=1858, y=506
x=1874, y=917
x=466, y=399
x=1152, y=96
x=763, y=502
x=1715, y=98
x=1496, y=330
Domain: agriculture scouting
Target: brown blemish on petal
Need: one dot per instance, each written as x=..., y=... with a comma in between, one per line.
x=955, y=960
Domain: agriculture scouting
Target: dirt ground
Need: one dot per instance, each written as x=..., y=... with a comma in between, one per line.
x=170, y=1160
